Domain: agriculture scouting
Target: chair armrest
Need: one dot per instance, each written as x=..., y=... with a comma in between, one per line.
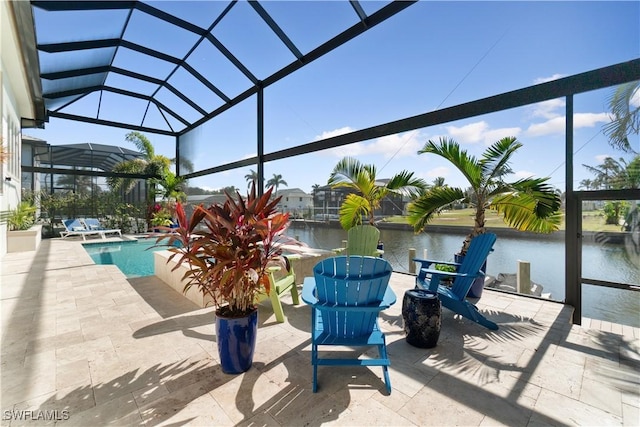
x=427, y=262
x=308, y=291
x=389, y=297
x=451, y=274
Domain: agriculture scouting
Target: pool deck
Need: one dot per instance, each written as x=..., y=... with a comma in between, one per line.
x=81, y=341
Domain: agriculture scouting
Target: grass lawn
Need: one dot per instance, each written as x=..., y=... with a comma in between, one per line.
x=591, y=221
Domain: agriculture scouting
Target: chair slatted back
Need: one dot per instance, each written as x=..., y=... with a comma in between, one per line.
x=477, y=254
x=363, y=240
x=349, y=290
x=73, y=225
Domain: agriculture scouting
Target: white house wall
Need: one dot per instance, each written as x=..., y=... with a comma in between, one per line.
x=15, y=102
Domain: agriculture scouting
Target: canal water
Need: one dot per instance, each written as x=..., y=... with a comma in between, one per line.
x=547, y=258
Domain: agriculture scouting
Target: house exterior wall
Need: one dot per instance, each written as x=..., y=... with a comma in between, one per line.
x=296, y=202
x=15, y=102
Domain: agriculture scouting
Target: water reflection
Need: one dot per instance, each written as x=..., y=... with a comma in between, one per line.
x=547, y=258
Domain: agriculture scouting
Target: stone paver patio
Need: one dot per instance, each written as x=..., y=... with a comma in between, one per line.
x=82, y=345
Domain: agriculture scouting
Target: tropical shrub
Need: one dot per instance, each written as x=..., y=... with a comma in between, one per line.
x=228, y=247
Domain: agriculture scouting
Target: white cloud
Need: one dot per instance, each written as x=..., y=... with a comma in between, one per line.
x=480, y=132
x=589, y=120
x=521, y=174
x=601, y=157
x=468, y=134
x=552, y=126
x=399, y=145
x=547, y=109
x=557, y=124
x=331, y=133
x=548, y=79
x=494, y=135
x=436, y=172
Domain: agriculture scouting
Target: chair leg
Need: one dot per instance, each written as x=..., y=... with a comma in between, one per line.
x=314, y=362
x=277, y=306
x=382, y=350
x=294, y=293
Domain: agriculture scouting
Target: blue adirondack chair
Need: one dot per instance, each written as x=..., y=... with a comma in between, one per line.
x=346, y=294
x=454, y=297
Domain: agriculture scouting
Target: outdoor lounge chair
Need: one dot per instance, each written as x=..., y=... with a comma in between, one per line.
x=73, y=227
x=94, y=224
x=363, y=240
x=346, y=294
x=454, y=297
x=280, y=284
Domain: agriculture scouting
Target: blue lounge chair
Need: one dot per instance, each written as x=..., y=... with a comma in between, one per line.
x=346, y=294
x=73, y=227
x=94, y=224
x=454, y=297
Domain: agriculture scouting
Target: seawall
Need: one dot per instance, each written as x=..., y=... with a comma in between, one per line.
x=608, y=237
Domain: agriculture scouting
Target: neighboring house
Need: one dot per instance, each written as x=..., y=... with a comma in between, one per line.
x=327, y=202
x=296, y=202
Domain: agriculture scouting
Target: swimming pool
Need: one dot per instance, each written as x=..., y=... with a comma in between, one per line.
x=131, y=256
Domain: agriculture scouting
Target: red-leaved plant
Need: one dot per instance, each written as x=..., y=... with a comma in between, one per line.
x=229, y=247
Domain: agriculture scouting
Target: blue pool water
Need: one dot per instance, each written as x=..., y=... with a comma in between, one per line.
x=134, y=258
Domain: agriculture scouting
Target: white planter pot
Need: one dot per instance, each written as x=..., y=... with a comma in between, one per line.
x=24, y=240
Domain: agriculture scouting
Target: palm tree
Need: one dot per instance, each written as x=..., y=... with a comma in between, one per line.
x=616, y=174
x=625, y=118
x=251, y=177
x=152, y=164
x=527, y=204
x=80, y=184
x=350, y=173
x=587, y=184
x=438, y=182
x=172, y=187
x=276, y=181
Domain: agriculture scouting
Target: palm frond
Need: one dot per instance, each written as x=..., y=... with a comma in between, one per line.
x=404, y=182
x=142, y=143
x=423, y=209
x=531, y=205
x=450, y=150
x=352, y=209
x=495, y=159
x=625, y=117
x=519, y=211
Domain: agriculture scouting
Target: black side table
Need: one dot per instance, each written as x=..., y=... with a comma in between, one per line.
x=422, y=315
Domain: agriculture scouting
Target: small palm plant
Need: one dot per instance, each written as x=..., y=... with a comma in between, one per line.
x=350, y=173
x=528, y=204
x=20, y=218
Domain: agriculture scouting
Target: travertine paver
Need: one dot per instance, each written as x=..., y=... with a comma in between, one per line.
x=82, y=345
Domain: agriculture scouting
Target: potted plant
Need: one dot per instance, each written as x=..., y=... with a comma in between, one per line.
x=528, y=204
x=229, y=248
x=450, y=268
x=22, y=235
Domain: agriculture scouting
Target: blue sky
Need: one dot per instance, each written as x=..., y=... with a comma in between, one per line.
x=430, y=56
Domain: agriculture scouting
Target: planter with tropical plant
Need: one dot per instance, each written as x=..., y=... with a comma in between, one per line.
x=22, y=235
x=528, y=204
x=228, y=248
